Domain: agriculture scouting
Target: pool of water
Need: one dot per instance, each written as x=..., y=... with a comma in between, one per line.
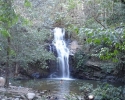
x=58, y=87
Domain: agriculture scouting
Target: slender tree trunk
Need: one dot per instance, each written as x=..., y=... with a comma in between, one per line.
x=8, y=63
x=8, y=7
x=16, y=69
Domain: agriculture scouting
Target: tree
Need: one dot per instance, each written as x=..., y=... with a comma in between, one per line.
x=7, y=20
x=25, y=43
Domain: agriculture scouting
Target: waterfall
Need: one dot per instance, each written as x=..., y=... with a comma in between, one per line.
x=62, y=52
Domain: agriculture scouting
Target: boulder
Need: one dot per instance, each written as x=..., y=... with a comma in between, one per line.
x=93, y=65
x=30, y=96
x=2, y=81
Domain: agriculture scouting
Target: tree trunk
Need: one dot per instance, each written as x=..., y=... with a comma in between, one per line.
x=16, y=69
x=8, y=63
x=7, y=4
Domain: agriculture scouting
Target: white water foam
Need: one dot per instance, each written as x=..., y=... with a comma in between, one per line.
x=63, y=53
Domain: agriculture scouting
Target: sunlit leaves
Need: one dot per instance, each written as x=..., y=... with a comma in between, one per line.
x=27, y=3
x=97, y=41
x=71, y=5
x=7, y=14
x=5, y=33
x=26, y=21
x=110, y=41
x=12, y=52
x=73, y=28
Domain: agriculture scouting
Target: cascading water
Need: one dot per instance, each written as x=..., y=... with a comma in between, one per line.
x=62, y=52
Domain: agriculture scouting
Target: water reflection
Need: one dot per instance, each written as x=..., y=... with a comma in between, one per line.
x=63, y=88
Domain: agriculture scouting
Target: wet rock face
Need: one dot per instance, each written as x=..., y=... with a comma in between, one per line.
x=32, y=73
x=74, y=47
x=53, y=50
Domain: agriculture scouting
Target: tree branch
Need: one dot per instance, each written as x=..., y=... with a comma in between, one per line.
x=99, y=22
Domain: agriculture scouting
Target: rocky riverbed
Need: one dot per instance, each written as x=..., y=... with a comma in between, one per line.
x=23, y=93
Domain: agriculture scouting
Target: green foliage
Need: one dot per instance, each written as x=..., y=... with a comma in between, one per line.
x=7, y=14
x=104, y=13
x=26, y=21
x=72, y=28
x=80, y=60
x=72, y=97
x=86, y=87
x=111, y=42
x=108, y=92
x=27, y=44
x=5, y=33
x=108, y=67
x=118, y=16
x=27, y=3
x=103, y=91
x=71, y=5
